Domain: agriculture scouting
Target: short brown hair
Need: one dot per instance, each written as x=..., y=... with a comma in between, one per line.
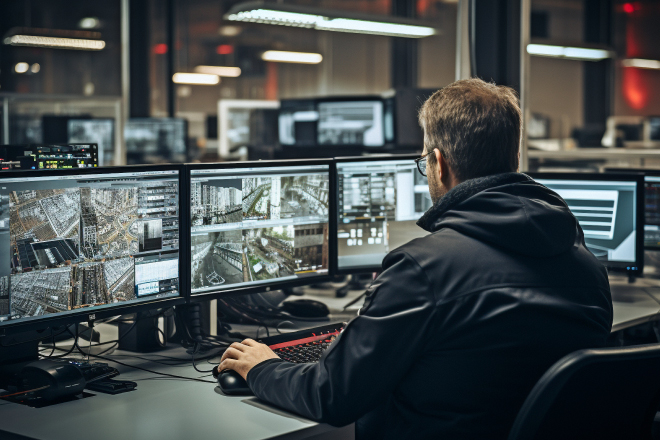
x=476, y=126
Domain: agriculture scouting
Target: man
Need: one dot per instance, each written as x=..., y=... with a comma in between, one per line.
x=460, y=324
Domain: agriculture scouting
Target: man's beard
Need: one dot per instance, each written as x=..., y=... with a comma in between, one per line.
x=437, y=192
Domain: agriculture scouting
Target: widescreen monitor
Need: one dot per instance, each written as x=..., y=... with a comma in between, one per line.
x=610, y=210
x=153, y=140
x=380, y=200
x=96, y=131
x=259, y=225
x=102, y=242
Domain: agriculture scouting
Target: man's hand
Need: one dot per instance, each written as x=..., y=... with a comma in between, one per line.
x=242, y=356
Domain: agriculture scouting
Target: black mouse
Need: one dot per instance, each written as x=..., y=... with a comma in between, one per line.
x=61, y=379
x=306, y=308
x=231, y=383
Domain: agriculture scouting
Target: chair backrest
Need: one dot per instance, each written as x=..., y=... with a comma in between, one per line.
x=600, y=394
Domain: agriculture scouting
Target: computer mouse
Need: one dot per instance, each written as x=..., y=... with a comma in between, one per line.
x=61, y=379
x=231, y=383
x=306, y=308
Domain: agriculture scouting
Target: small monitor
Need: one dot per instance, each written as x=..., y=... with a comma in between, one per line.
x=97, y=131
x=610, y=210
x=654, y=128
x=379, y=202
x=87, y=241
x=152, y=140
x=351, y=123
x=259, y=225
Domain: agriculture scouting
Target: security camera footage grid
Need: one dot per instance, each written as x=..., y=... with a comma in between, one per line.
x=606, y=211
x=258, y=226
x=87, y=241
x=379, y=203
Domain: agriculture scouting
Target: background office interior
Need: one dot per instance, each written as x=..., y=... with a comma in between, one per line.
x=196, y=81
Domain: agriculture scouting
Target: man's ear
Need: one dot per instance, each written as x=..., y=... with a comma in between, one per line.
x=443, y=167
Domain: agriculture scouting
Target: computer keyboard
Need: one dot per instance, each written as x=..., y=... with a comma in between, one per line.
x=92, y=371
x=305, y=346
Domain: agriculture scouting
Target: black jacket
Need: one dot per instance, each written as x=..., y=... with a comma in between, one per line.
x=460, y=324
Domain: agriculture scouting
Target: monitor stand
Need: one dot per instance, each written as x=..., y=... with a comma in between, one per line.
x=357, y=282
x=144, y=336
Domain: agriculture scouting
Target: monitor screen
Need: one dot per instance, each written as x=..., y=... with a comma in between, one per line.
x=297, y=122
x=33, y=157
x=351, y=123
x=652, y=211
x=256, y=226
x=607, y=211
x=654, y=128
x=97, y=131
x=91, y=241
x=379, y=203
x=155, y=139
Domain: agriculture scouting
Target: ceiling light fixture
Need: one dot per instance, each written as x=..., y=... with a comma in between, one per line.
x=641, y=63
x=231, y=72
x=327, y=20
x=54, y=42
x=196, y=79
x=573, y=53
x=280, y=56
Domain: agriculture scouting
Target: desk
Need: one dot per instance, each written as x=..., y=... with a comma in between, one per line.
x=161, y=409
x=634, y=303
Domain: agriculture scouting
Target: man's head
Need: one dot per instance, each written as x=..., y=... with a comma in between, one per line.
x=471, y=129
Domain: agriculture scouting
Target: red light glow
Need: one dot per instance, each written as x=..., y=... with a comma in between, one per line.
x=628, y=8
x=160, y=49
x=224, y=49
x=634, y=89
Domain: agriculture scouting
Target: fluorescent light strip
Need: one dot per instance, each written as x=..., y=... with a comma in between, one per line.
x=320, y=22
x=196, y=79
x=232, y=72
x=55, y=42
x=573, y=53
x=280, y=56
x=641, y=63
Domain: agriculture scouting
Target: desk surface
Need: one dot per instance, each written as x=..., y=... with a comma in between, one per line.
x=163, y=408
x=159, y=409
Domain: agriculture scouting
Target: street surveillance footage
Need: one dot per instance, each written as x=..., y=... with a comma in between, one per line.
x=251, y=226
x=78, y=241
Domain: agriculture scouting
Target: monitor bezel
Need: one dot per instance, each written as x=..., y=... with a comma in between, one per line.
x=275, y=285
x=633, y=269
x=370, y=158
x=46, y=322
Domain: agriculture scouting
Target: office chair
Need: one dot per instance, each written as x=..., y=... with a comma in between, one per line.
x=610, y=393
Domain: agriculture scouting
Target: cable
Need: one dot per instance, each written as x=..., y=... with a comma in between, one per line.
x=195, y=365
x=24, y=392
x=151, y=371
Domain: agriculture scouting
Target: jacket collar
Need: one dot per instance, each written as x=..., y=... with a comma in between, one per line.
x=464, y=191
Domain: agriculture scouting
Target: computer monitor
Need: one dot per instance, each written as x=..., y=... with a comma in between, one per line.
x=97, y=131
x=151, y=140
x=258, y=226
x=297, y=122
x=97, y=242
x=37, y=157
x=610, y=210
x=651, y=204
x=355, y=122
x=379, y=202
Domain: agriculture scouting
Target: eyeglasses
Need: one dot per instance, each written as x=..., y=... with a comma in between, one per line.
x=422, y=161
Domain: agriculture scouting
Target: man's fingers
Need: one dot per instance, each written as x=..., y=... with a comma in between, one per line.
x=227, y=364
x=250, y=342
x=230, y=353
x=238, y=345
